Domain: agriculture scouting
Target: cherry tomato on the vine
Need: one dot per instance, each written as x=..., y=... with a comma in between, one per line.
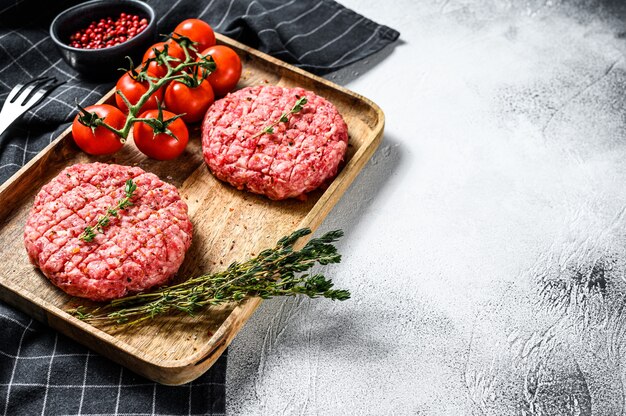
x=198, y=31
x=193, y=102
x=173, y=50
x=102, y=141
x=133, y=90
x=228, y=69
x=161, y=146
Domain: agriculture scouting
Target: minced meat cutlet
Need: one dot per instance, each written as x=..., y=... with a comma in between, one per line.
x=142, y=247
x=298, y=157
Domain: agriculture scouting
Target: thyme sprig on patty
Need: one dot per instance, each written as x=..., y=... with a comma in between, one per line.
x=91, y=231
x=284, y=117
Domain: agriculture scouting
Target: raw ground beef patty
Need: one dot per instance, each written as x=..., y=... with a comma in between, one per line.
x=143, y=247
x=297, y=158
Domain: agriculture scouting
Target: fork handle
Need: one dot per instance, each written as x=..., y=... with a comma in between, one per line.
x=5, y=122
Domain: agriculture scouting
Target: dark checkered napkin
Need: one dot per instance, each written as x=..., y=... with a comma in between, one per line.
x=320, y=36
x=42, y=372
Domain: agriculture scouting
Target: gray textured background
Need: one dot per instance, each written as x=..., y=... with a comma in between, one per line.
x=485, y=241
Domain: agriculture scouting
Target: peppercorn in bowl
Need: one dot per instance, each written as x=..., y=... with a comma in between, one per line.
x=95, y=37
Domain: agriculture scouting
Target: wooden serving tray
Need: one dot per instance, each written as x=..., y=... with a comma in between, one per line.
x=228, y=224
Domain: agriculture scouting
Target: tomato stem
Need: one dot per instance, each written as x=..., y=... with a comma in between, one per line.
x=120, y=133
x=173, y=74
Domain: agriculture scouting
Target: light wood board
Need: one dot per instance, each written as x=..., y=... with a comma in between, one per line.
x=228, y=224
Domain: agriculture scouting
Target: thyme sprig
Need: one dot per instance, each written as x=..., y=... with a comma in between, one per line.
x=90, y=232
x=284, y=117
x=274, y=272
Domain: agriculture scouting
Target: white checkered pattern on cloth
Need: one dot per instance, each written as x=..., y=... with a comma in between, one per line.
x=42, y=372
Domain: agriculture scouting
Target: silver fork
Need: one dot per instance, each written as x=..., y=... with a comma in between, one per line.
x=23, y=97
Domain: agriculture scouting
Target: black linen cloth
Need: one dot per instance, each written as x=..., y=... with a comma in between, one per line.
x=43, y=372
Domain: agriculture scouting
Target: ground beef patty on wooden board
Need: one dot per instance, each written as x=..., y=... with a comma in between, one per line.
x=143, y=247
x=297, y=158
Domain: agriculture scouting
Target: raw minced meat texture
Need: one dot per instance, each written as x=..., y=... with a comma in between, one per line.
x=298, y=157
x=142, y=247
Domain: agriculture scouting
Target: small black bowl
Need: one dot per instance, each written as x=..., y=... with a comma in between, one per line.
x=102, y=64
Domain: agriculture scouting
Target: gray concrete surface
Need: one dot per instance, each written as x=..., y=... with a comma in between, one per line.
x=485, y=240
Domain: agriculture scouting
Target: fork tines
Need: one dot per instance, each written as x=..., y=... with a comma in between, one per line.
x=32, y=91
x=23, y=97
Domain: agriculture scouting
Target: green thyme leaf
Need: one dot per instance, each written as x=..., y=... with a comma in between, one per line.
x=89, y=233
x=273, y=272
x=284, y=117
